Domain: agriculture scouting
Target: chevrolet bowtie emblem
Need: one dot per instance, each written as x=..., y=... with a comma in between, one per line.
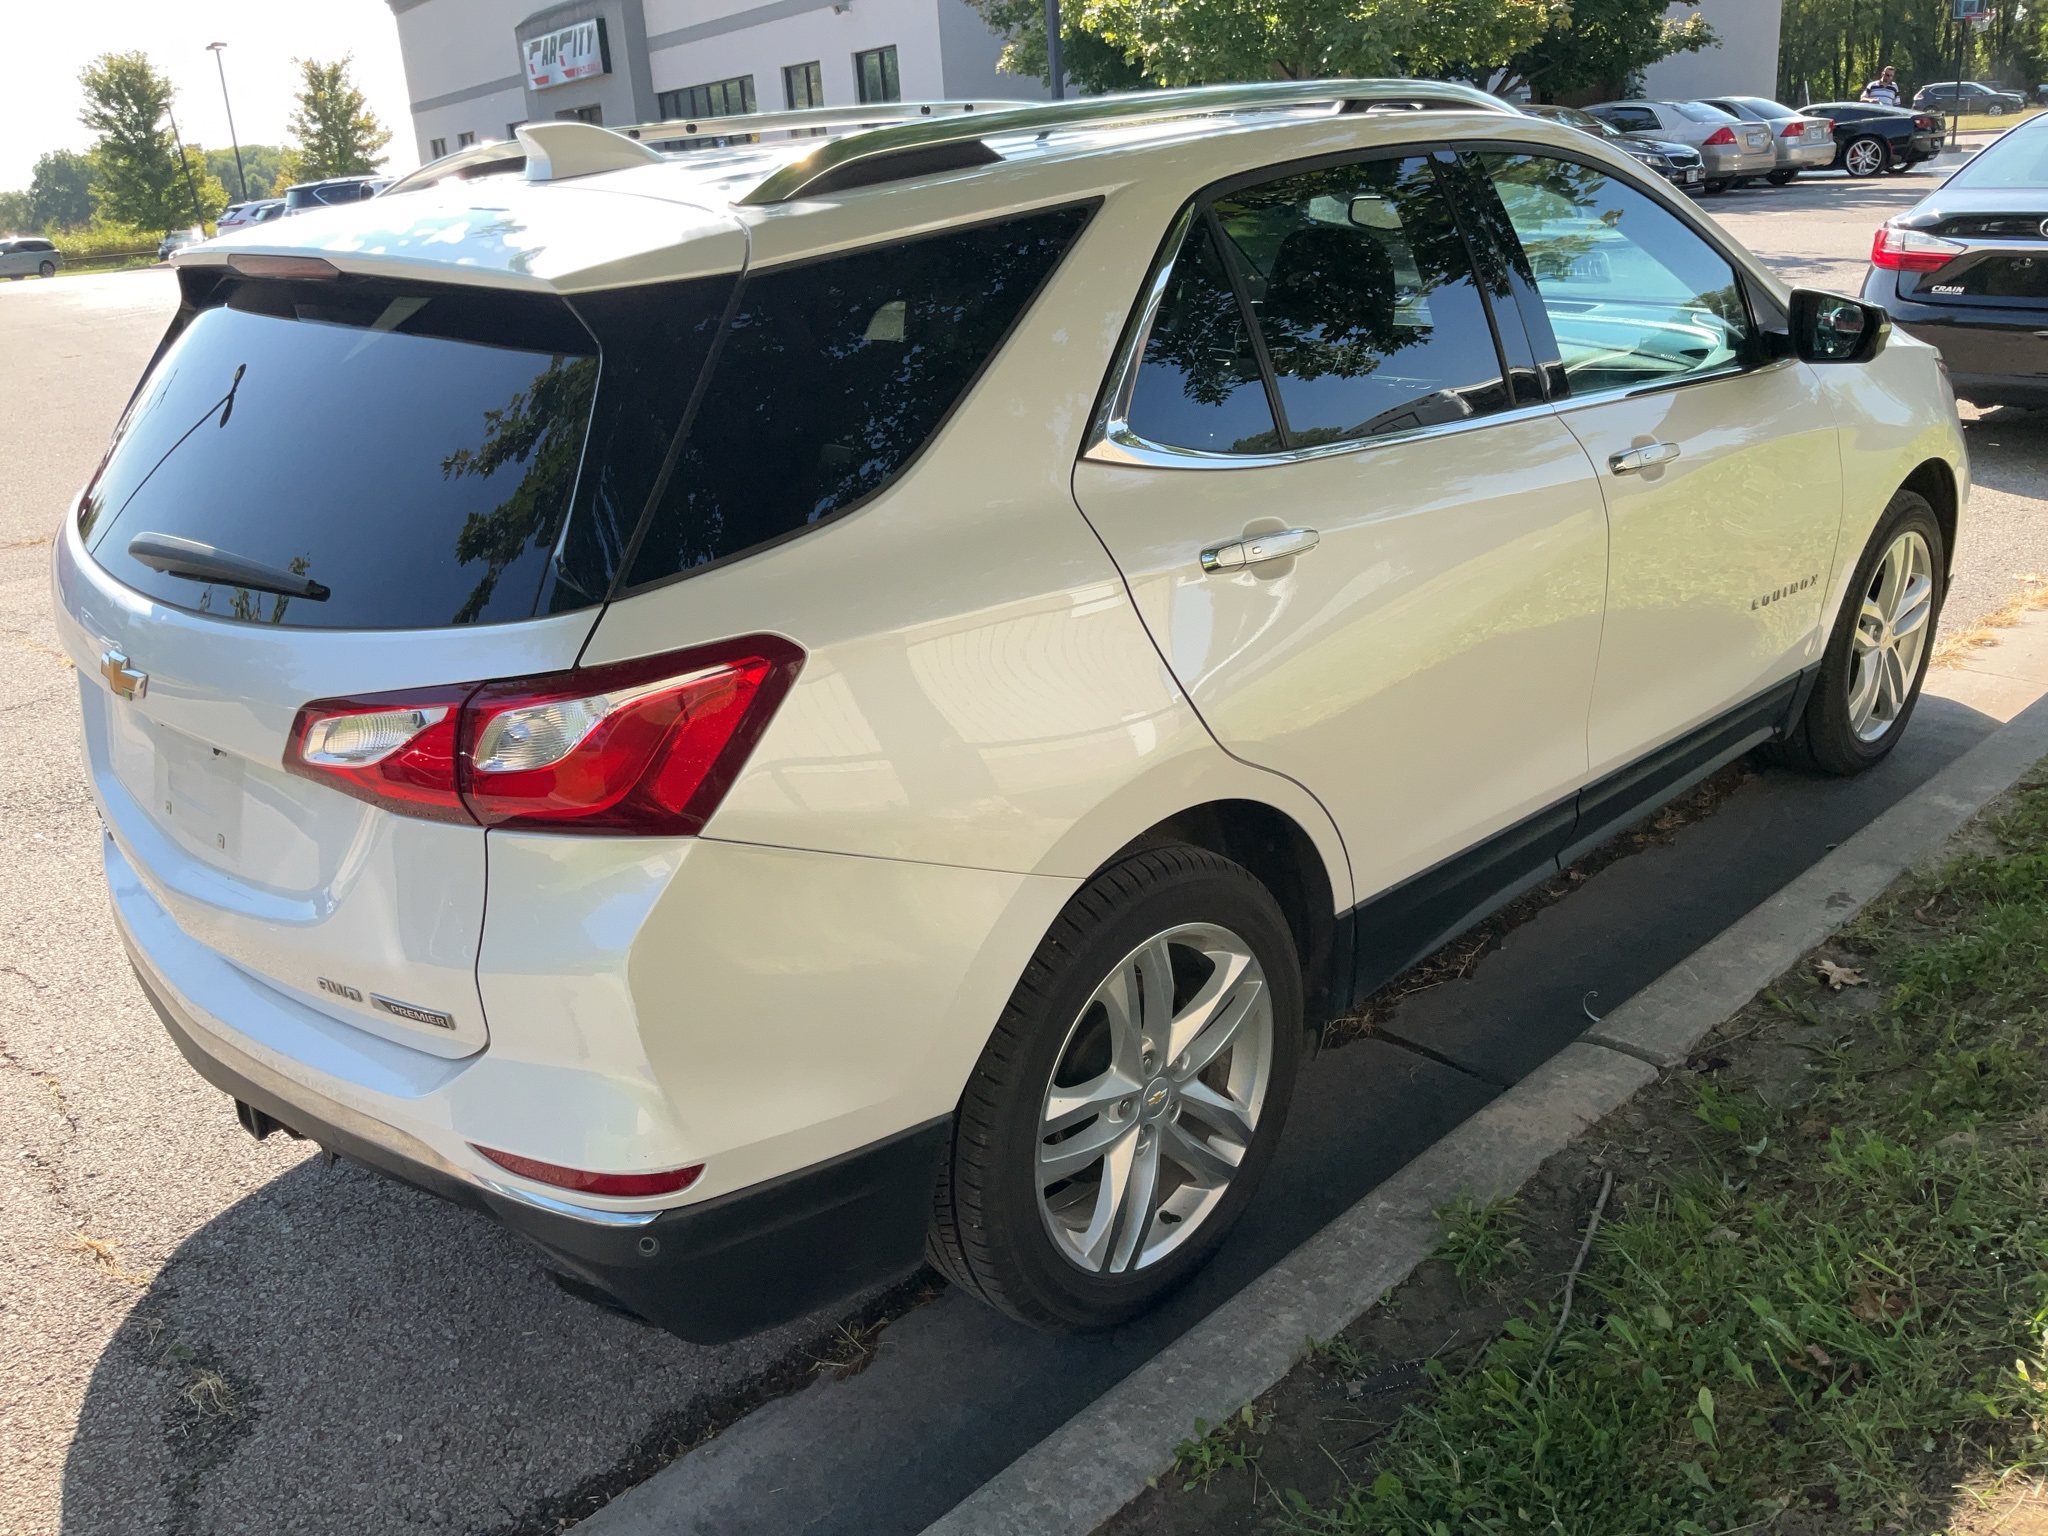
x=122, y=678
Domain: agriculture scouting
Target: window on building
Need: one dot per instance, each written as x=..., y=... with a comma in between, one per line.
x=464, y=140
x=512, y=129
x=590, y=114
x=803, y=85
x=720, y=98
x=436, y=148
x=875, y=73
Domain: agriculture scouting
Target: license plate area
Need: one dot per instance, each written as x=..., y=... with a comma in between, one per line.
x=192, y=791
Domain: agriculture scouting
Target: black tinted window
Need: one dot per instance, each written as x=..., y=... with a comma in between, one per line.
x=1363, y=288
x=833, y=375
x=411, y=448
x=1199, y=385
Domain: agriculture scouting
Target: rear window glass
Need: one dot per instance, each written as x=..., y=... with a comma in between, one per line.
x=833, y=375
x=2018, y=158
x=1700, y=112
x=412, y=449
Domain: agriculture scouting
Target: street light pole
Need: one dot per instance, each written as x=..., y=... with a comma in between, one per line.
x=1055, y=66
x=240, y=175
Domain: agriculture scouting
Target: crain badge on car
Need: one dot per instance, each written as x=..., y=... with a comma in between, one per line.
x=122, y=678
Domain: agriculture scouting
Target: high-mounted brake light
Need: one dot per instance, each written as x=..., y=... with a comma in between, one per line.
x=1721, y=136
x=646, y=747
x=1908, y=250
x=623, y=1185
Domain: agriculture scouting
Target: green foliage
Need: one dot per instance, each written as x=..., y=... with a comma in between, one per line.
x=1091, y=64
x=60, y=191
x=1478, y=1241
x=1222, y=1449
x=15, y=213
x=1597, y=45
x=101, y=238
x=334, y=132
x=140, y=179
x=1828, y=49
x=1842, y=1302
x=263, y=164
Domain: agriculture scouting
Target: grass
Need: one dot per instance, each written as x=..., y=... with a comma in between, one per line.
x=1225, y=1448
x=1955, y=648
x=1971, y=121
x=1833, y=1317
x=1479, y=1242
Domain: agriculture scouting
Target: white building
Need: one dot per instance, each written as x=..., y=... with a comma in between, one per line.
x=475, y=69
x=1744, y=63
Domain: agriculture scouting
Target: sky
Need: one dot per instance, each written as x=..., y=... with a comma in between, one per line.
x=39, y=106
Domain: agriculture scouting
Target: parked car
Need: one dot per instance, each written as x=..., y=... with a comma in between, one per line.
x=1802, y=142
x=1871, y=139
x=1735, y=151
x=333, y=192
x=1966, y=270
x=252, y=212
x=26, y=255
x=1967, y=96
x=900, y=828
x=1679, y=164
x=177, y=240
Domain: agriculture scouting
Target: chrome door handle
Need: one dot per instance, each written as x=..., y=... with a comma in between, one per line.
x=1235, y=554
x=1642, y=458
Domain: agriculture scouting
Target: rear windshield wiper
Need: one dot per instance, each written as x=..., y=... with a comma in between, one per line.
x=202, y=562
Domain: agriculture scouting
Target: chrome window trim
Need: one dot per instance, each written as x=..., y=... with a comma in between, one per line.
x=1120, y=445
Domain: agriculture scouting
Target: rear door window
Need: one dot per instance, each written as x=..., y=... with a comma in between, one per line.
x=411, y=448
x=1198, y=384
x=833, y=375
x=1363, y=291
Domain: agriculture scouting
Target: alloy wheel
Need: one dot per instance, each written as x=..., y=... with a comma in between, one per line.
x=1154, y=1099
x=1892, y=630
x=1865, y=157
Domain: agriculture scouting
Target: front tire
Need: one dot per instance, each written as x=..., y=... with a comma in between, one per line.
x=47, y=269
x=1130, y=1098
x=1715, y=188
x=1877, y=656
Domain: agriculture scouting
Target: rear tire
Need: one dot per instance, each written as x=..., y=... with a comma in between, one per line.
x=47, y=269
x=1715, y=188
x=1876, y=658
x=1781, y=178
x=1197, y=1064
x=1866, y=157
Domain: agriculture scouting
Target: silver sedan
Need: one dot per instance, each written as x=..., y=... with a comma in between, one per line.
x=1803, y=143
x=1735, y=151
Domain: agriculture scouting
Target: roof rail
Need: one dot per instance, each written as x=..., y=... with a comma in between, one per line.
x=832, y=157
x=800, y=119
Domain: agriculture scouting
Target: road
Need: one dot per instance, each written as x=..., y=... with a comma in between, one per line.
x=201, y=1333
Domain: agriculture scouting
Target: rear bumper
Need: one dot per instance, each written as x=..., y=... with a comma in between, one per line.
x=1995, y=356
x=709, y=1272
x=1805, y=157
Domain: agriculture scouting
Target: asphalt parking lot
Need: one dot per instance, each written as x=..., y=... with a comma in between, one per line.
x=202, y=1333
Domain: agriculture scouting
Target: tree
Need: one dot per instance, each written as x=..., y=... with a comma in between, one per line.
x=14, y=213
x=140, y=179
x=334, y=131
x=1195, y=42
x=1090, y=63
x=261, y=163
x=1597, y=45
x=60, y=191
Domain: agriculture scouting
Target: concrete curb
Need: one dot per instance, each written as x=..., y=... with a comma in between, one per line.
x=1101, y=1458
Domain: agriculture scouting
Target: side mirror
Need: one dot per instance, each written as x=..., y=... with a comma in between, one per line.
x=1827, y=328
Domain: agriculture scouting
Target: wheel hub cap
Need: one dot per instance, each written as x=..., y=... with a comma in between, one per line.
x=1892, y=629
x=1155, y=1099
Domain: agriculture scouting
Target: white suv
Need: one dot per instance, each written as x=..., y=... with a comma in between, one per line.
x=846, y=693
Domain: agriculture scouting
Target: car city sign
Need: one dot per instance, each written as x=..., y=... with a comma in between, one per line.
x=573, y=53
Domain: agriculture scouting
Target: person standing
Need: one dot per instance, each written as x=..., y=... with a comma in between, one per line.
x=1884, y=90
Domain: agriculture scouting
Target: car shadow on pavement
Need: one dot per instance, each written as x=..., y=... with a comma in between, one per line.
x=337, y=1352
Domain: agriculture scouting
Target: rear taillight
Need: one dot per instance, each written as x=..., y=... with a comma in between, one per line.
x=623, y=1185
x=1925, y=124
x=1793, y=129
x=648, y=746
x=393, y=750
x=1721, y=136
x=1908, y=250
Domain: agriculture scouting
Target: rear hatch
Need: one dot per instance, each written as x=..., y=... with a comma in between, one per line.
x=405, y=456
x=2004, y=264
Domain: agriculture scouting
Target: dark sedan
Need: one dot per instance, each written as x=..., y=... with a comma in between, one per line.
x=1870, y=139
x=1679, y=164
x=1966, y=269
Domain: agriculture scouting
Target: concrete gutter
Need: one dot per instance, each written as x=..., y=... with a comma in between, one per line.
x=1103, y=1457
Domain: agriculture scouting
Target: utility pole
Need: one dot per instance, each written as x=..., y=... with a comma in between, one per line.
x=1055, y=66
x=241, y=175
x=191, y=186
